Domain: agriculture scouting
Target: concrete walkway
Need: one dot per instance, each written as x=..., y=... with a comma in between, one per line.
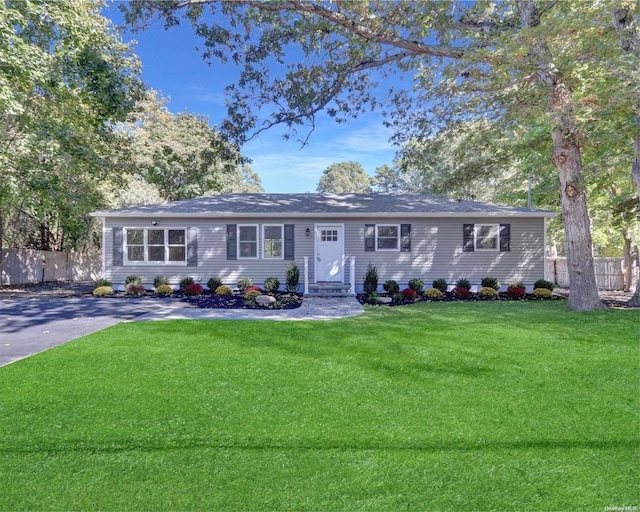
x=312, y=308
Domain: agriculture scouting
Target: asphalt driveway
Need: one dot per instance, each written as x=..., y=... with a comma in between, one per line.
x=28, y=326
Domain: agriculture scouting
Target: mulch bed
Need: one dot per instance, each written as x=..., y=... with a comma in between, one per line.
x=62, y=289
x=448, y=297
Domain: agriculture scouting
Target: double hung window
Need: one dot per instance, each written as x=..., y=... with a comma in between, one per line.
x=387, y=237
x=487, y=237
x=146, y=245
x=272, y=239
x=247, y=241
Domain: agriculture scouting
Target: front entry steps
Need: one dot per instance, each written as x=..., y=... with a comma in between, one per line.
x=329, y=290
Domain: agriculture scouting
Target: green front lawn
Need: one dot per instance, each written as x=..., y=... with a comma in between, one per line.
x=440, y=406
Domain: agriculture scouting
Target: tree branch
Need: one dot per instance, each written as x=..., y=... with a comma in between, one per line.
x=339, y=18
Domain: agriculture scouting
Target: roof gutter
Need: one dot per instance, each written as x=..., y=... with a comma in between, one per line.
x=323, y=215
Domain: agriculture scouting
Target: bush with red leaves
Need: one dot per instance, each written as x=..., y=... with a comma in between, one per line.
x=460, y=292
x=516, y=292
x=409, y=293
x=193, y=290
x=253, y=288
x=135, y=290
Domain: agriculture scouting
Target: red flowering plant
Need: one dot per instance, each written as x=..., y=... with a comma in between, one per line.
x=516, y=291
x=460, y=292
x=193, y=290
x=409, y=293
x=135, y=290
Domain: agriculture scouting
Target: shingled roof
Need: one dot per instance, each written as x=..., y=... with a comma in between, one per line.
x=322, y=205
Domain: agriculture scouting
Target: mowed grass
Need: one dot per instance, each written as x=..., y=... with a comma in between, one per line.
x=443, y=406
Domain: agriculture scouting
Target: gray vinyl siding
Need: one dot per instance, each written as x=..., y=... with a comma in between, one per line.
x=436, y=251
x=212, y=255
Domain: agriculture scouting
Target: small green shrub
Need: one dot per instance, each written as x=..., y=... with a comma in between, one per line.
x=370, y=284
x=134, y=290
x=193, y=290
x=132, y=280
x=542, y=293
x=463, y=283
x=164, y=290
x=251, y=296
x=292, y=277
x=271, y=285
x=160, y=281
x=103, y=291
x=518, y=284
x=214, y=282
x=488, y=292
x=100, y=283
x=440, y=284
x=224, y=290
x=186, y=281
x=490, y=282
x=433, y=293
x=417, y=285
x=543, y=284
x=244, y=283
x=391, y=287
x=398, y=297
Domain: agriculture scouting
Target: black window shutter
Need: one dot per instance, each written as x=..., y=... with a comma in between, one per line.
x=405, y=240
x=505, y=237
x=369, y=238
x=289, y=241
x=467, y=238
x=118, y=254
x=232, y=247
x=192, y=247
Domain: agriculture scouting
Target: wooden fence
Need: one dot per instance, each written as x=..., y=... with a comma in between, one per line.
x=609, y=273
x=22, y=266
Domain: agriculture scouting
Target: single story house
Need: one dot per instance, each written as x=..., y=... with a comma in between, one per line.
x=331, y=237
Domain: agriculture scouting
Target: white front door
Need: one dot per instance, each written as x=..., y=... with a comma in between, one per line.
x=329, y=252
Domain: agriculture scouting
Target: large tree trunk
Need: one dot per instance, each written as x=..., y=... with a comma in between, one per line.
x=624, y=23
x=567, y=158
x=635, y=172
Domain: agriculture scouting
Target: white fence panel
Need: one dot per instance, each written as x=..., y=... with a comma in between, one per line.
x=609, y=274
x=22, y=266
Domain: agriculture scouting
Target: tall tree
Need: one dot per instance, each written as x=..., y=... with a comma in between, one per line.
x=626, y=25
x=65, y=78
x=181, y=154
x=344, y=178
x=485, y=59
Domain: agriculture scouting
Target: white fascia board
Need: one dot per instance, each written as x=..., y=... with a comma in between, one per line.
x=339, y=215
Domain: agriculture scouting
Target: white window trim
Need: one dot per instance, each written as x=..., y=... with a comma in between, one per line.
x=476, y=228
x=145, y=246
x=257, y=256
x=397, y=248
x=264, y=241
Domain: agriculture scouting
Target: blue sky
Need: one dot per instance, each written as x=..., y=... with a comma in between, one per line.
x=172, y=65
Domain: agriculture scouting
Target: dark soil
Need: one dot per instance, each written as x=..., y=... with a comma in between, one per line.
x=62, y=289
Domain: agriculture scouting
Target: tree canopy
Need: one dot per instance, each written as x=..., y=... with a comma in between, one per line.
x=344, y=178
x=65, y=78
x=527, y=63
x=181, y=154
